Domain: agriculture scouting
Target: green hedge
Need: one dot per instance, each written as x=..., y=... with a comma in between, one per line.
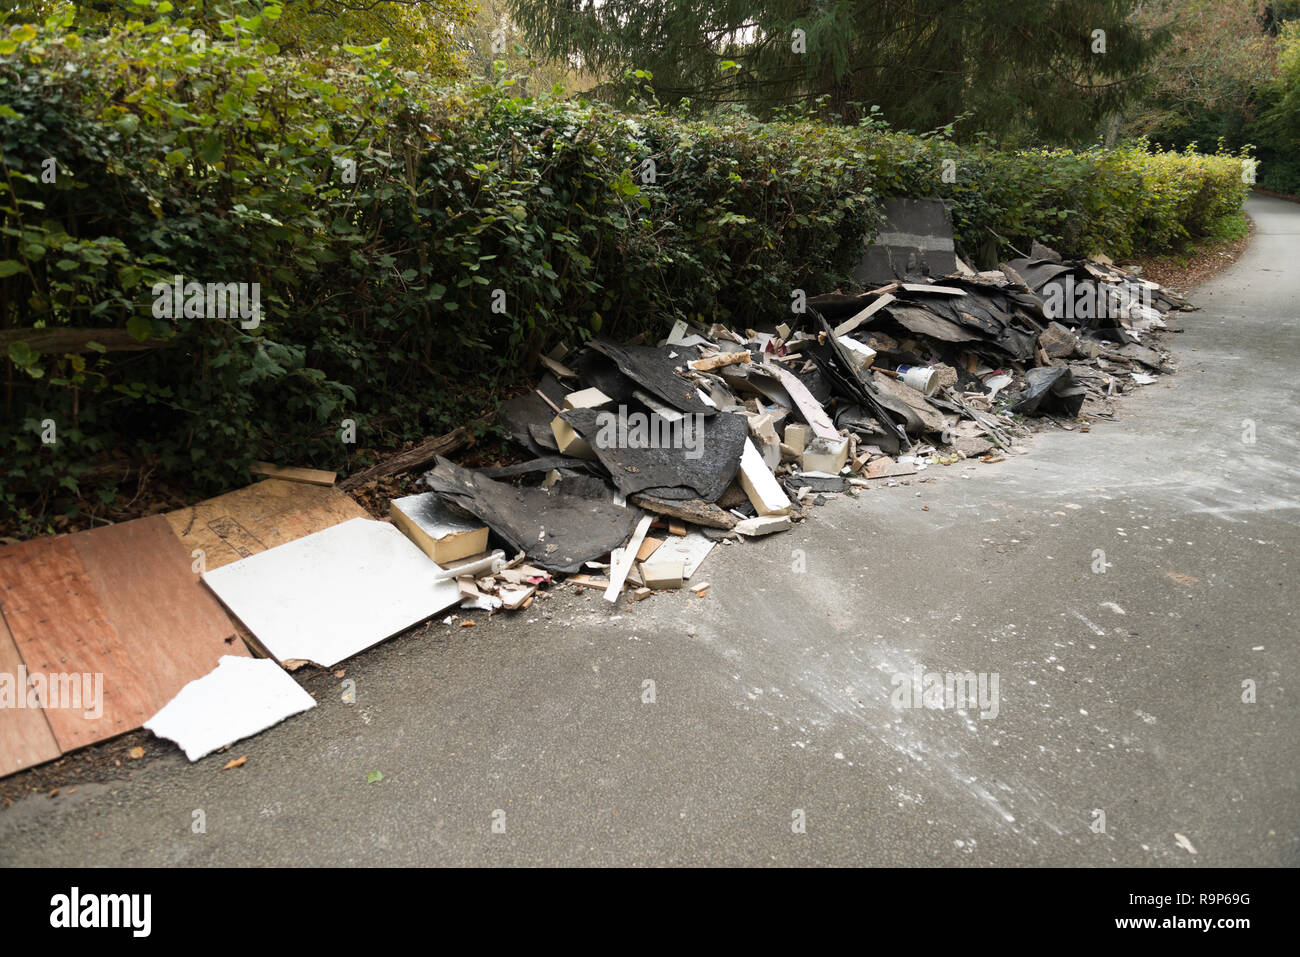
x=384, y=219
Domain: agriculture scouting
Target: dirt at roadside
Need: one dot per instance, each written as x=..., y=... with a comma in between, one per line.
x=1181, y=271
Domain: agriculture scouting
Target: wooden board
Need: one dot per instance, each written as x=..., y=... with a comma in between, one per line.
x=261, y=516
x=119, y=602
x=291, y=474
x=25, y=735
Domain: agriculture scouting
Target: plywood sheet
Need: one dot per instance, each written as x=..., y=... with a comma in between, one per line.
x=116, y=613
x=25, y=735
x=333, y=594
x=260, y=516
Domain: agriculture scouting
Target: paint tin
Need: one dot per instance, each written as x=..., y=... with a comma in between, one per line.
x=924, y=379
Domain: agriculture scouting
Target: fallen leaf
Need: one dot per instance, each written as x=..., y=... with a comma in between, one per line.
x=238, y=762
x=374, y=776
x=467, y=624
x=340, y=673
x=136, y=752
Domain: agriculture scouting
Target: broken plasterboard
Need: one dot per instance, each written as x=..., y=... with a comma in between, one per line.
x=662, y=573
x=333, y=594
x=760, y=485
x=763, y=525
x=238, y=699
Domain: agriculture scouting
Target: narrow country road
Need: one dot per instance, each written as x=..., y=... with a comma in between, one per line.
x=1120, y=691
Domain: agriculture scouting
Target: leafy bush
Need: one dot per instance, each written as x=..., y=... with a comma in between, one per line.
x=415, y=246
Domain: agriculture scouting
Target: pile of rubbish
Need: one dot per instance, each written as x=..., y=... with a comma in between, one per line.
x=727, y=434
x=642, y=459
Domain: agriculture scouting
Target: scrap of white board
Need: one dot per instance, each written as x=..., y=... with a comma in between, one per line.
x=236, y=700
x=691, y=549
x=332, y=594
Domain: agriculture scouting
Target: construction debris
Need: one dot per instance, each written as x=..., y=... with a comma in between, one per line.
x=333, y=594
x=238, y=699
x=647, y=456
x=442, y=536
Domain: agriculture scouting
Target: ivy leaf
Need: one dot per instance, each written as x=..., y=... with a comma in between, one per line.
x=140, y=327
x=211, y=149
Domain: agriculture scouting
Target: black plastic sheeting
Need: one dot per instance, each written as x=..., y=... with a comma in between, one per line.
x=699, y=461
x=557, y=531
x=1051, y=389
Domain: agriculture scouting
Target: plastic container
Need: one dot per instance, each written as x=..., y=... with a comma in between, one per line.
x=924, y=379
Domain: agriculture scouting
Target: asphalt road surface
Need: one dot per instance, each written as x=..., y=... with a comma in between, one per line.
x=1120, y=691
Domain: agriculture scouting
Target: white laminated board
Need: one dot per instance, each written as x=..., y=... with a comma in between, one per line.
x=236, y=700
x=330, y=595
x=691, y=550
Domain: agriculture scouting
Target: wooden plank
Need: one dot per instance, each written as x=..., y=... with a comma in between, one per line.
x=719, y=360
x=622, y=561
x=412, y=458
x=690, y=510
x=260, y=516
x=25, y=736
x=292, y=474
x=117, y=606
x=558, y=369
x=926, y=287
x=648, y=548
x=848, y=325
